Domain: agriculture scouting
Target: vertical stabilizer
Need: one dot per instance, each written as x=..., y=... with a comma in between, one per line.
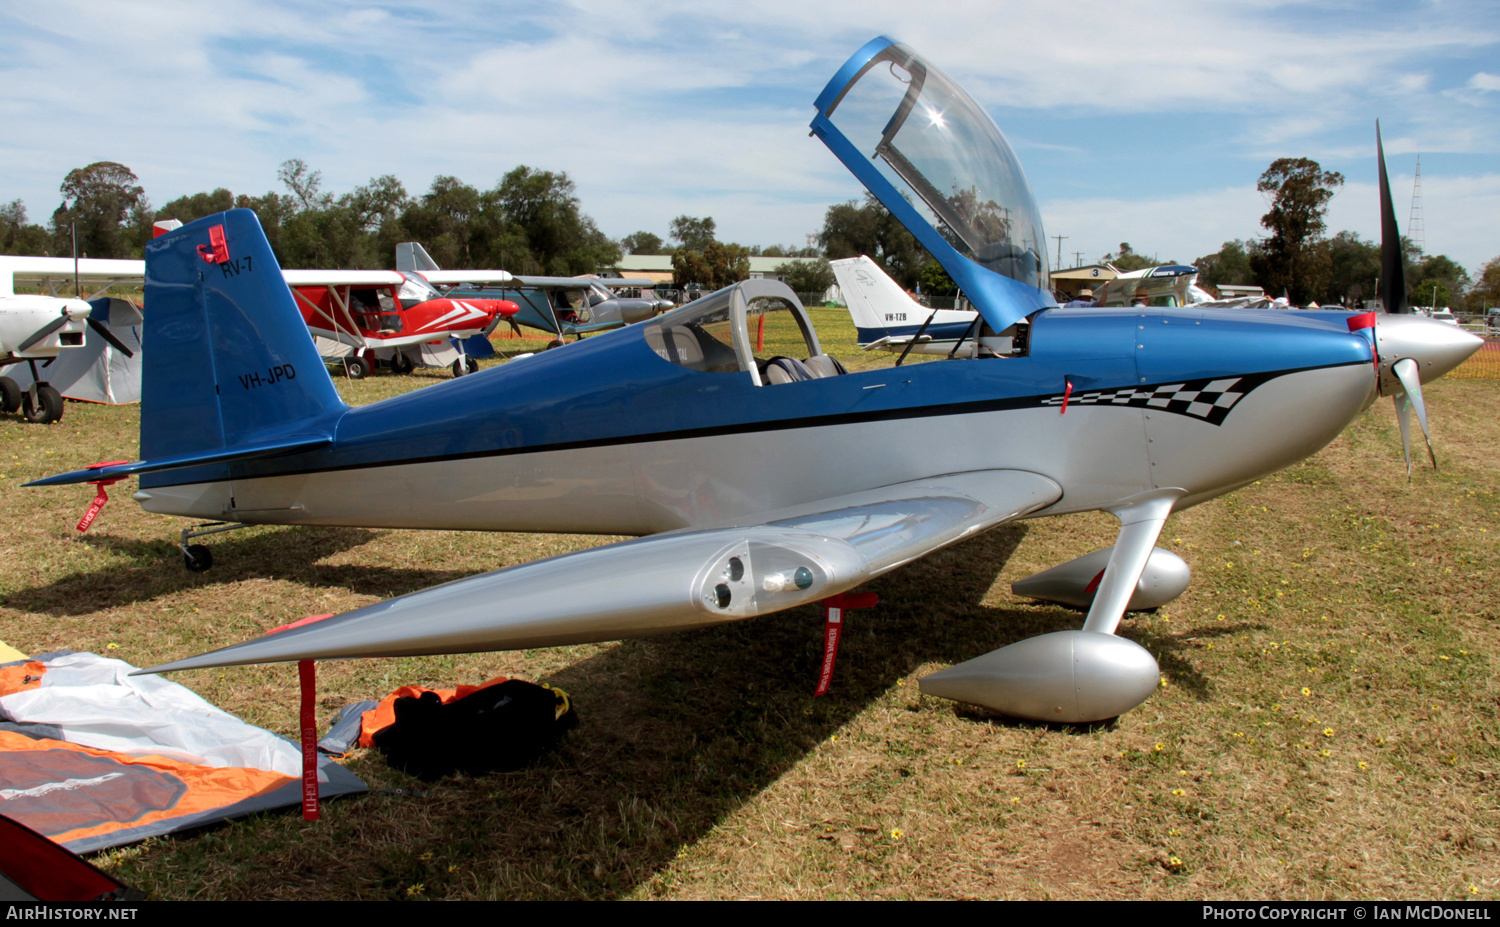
x=229, y=359
x=411, y=256
x=872, y=297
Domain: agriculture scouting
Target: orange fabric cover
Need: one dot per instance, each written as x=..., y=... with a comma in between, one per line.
x=20, y=678
x=384, y=714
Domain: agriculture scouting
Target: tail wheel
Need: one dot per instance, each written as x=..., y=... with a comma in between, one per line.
x=400, y=363
x=471, y=364
x=357, y=367
x=459, y=368
x=197, y=558
x=10, y=395
x=47, y=408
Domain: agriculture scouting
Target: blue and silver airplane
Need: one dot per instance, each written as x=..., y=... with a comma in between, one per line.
x=757, y=483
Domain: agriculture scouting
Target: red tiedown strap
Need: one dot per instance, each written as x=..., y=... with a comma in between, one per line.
x=833, y=612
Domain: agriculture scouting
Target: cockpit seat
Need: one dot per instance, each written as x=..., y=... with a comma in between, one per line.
x=786, y=370
x=824, y=365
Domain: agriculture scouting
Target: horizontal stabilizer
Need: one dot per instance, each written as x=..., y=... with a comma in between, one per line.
x=271, y=447
x=666, y=582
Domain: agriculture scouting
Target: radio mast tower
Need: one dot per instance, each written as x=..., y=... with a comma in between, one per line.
x=1414, y=229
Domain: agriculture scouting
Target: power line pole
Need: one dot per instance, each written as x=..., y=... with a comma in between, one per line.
x=1077, y=258
x=1059, y=248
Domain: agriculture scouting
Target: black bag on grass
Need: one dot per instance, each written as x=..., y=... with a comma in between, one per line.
x=499, y=728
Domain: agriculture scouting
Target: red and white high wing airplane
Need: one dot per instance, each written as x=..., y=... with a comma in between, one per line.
x=362, y=317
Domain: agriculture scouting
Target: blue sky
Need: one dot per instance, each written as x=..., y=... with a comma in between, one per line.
x=1147, y=122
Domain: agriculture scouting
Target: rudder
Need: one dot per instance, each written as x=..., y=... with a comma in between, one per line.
x=228, y=358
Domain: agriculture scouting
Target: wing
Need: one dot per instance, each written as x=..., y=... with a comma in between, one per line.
x=342, y=277
x=447, y=277
x=666, y=582
x=50, y=272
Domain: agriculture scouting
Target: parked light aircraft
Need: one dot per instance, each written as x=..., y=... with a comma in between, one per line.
x=763, y=483
x=37, y=327
x=361, y=317
x=886, y=318
x=562, y=306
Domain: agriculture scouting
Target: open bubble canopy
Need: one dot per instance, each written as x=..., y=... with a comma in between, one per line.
x=939, y=163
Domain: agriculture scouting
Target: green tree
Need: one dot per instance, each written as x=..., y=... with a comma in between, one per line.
x=1354, y=268
x=1290, y=261
x=1230, y=264
x=197, y=205
x=641, y=243
x=109, y=209
x=854, y=228
x=1449, y=276
x=717, y=265
x=935, y=281
x=17, y=236
x=1486, y=290
x=692, y=233
x=810, y=275
x=306, y=185
x=561, y=239
x=271, y=209
x=1127, y=260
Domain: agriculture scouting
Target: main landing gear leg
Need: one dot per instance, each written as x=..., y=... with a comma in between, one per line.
x=1074, y=677
x=196, y=557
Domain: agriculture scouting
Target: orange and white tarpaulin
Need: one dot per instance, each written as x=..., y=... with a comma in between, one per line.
x=93, y=757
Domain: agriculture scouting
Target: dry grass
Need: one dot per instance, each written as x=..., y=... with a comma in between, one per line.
x=1327, y=725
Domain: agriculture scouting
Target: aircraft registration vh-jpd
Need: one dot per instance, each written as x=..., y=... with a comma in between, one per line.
x=762, y=483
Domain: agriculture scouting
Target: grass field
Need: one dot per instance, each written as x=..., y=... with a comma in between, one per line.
x=1326, y=725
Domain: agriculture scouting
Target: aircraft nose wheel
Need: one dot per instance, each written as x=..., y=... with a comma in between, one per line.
x=45, y=409
x=357, y=367
x=197, y=558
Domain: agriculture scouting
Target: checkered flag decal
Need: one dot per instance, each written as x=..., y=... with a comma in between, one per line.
x=1206, y=400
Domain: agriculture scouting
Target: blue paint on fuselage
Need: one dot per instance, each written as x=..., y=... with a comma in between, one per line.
x=614, y=389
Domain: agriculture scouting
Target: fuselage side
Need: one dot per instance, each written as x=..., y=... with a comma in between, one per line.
x=608, y=437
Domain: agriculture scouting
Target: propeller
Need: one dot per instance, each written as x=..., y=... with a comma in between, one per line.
x=1406, y=344
x=1411, y=399
x=103, y=331
x=43, y=332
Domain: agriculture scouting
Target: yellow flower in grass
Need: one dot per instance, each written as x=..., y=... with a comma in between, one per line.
x=1363, y=765
x=1327, y=732
x=897, y=833
x=1306, y=691
x=1178, y=792
x=1020, y=764
x=1160, y=747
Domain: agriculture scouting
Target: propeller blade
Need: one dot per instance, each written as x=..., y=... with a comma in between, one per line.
x=1403, y=418
x=103, y=332
x=1406, y=371
x=1392, y=261
x=42, y=333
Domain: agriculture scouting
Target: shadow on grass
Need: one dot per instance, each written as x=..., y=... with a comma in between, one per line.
x=677, y=733
x=290, y=554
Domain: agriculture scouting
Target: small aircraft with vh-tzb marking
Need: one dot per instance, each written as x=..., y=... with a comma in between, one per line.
x=734, y=469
